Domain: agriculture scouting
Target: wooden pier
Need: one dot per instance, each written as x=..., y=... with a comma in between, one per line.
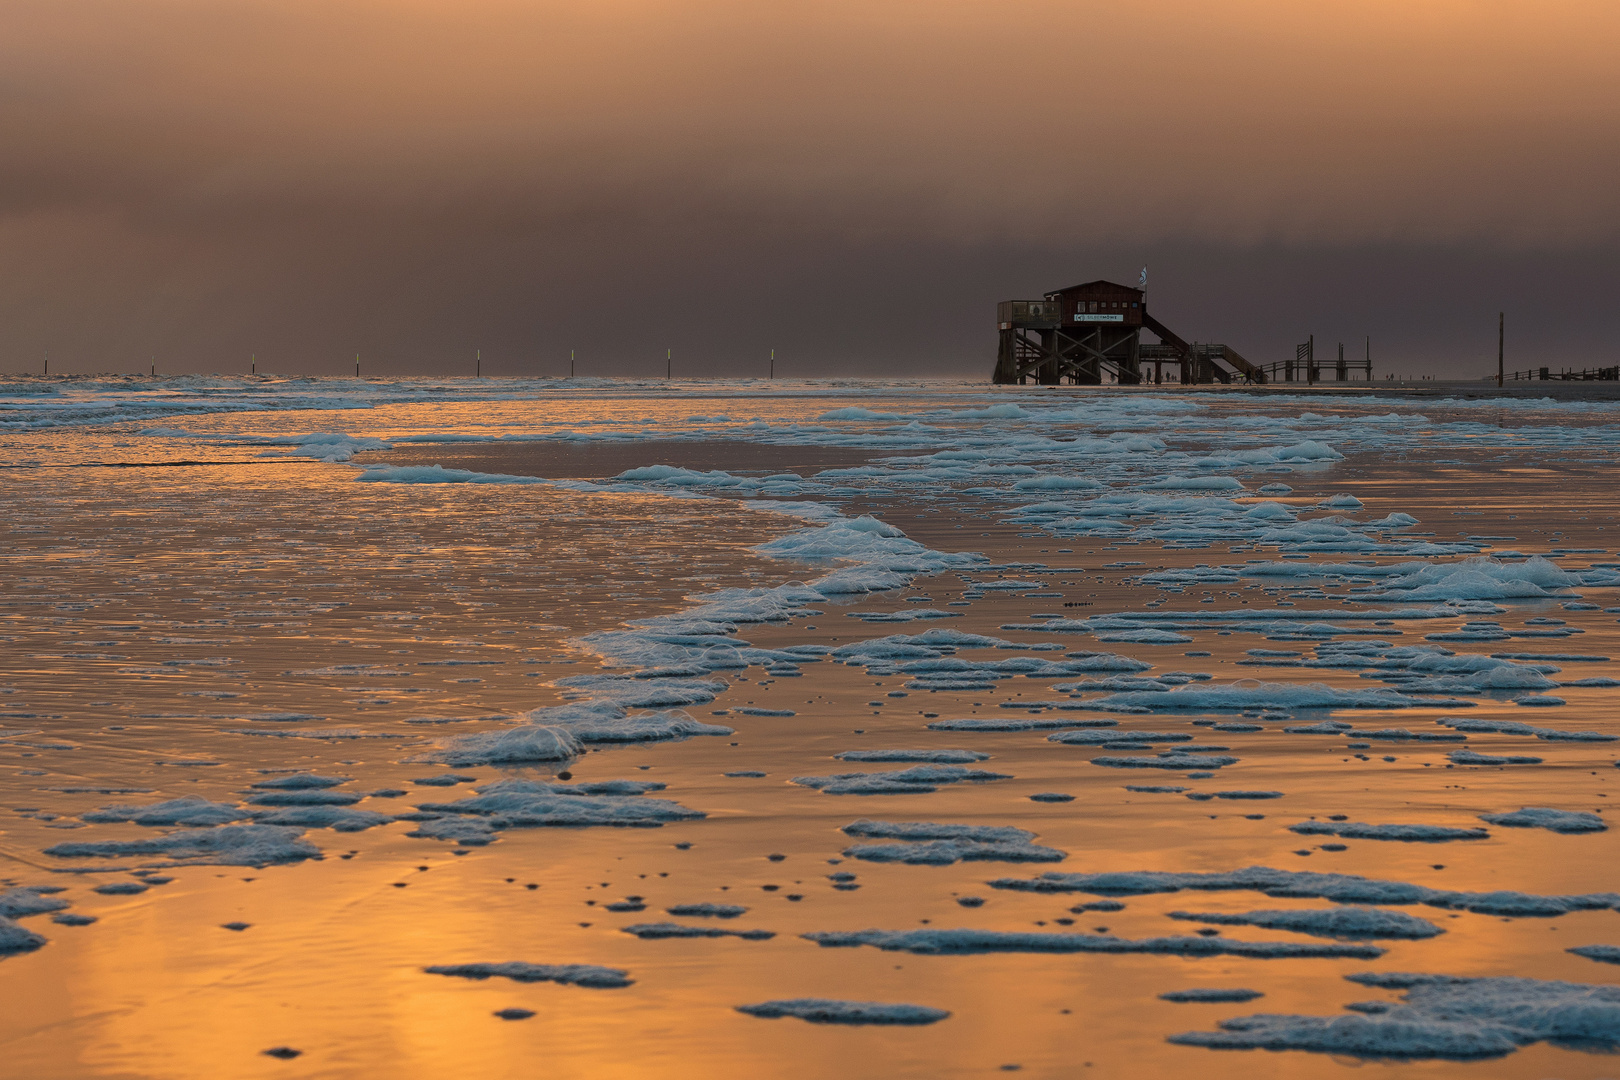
x=1305, y=368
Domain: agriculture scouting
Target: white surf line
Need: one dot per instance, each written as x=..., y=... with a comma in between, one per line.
x=661, y=662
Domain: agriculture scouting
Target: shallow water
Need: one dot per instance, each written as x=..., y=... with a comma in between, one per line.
x=190, y=630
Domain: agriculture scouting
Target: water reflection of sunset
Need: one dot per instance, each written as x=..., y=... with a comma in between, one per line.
x=281, y=587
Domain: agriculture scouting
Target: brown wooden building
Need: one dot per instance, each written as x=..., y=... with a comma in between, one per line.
x=1100, y=303
x=1090, y=332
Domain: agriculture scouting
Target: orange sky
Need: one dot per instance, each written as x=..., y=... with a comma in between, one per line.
x=304, y=180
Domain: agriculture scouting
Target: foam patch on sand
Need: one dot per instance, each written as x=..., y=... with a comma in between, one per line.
x=661, y=931
x=918, y=780
x=1356, y=830
x=961, y=942
x=883, y=556
x=601, y=722
x=1339, y=888
x=707, y=910
x=1440, y=1017
x=937, y=757
x=642, y=692
x=1169, y=759
x=1513, y=727
x=1604, y=954
x=1345, y=923
x=301, y=782
x=1471, y=757
x=229, y=845
x=336, y=818
x=516, y=746
x=21, y=901
x=1251, y=694
x=1270, y=621
x=930, y=644
x=303, y=798
x=518, y=971
x=1210, y=994
x=1543, y=817
x=827, y=1011
x=927, y=843
x=1106, y=738
x=1473, y=579
x=172, y=812
x=955, y=673
x=17, y=939
x=510, y=804
x=1018, y=723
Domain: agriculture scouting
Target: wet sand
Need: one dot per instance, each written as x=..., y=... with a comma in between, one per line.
x=596, y=460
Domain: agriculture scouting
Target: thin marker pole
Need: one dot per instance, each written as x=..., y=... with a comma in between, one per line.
x=1501, y=335
x=253, y=364
x=669, y=362
x=773, y=363
x=478, y=365
x=570, y=363
x=47, y=360
x=357, y=365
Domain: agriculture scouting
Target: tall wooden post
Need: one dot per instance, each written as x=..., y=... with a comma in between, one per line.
x=1048, y=373
x=1501, y=326
x=1006, y=359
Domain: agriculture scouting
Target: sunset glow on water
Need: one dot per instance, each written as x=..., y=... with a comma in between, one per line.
x=188, y=631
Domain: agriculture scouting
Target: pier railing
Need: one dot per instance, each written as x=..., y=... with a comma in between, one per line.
x=1304, y=371
x=1028, y=315
x=1603, y=374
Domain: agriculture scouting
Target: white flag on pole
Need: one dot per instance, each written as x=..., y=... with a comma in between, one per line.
x=1142, y=282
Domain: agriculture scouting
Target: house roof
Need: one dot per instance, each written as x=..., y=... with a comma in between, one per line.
x=1100, y=285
